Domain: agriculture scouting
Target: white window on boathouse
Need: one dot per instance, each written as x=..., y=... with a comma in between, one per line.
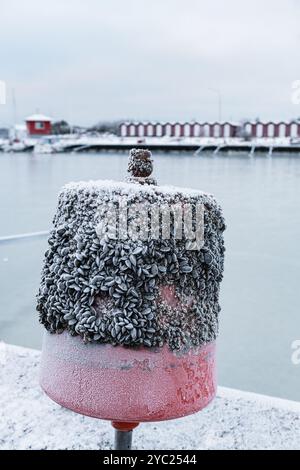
x=226, y=130
x=159, y=130
x=141, y=130
x=294, y=130
x=187, y=130
x=259, y=130
x=149, y=132
x=271, y=130
x=206, y=130
x=168, y=130
x=282, y=130
x=132, y=130
x=197, y=130
x=217, y=130
x=177, y=130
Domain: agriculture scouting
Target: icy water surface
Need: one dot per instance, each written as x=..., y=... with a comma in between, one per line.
x=260, y=292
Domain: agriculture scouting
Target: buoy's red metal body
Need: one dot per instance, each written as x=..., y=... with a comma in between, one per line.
x=127, y=385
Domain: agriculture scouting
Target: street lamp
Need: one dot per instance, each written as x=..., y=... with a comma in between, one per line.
x=218, y=93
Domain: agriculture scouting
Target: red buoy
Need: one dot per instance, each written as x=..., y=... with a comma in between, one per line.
x=127, y=385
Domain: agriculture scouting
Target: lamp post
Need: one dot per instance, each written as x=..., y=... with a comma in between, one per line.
x=219, y=95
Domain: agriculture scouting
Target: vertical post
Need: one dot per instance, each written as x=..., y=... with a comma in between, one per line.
x=14, y=105
x=219, y=95
x=123, y=440
x=123, y=434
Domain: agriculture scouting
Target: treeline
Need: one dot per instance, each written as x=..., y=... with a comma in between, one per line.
x=63, y=127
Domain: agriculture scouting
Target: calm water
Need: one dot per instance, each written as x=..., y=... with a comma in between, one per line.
x=260, y=293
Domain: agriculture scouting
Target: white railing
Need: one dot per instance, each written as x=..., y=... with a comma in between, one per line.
x=23, y=236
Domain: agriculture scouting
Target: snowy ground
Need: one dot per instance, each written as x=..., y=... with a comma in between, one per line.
x=235, y=420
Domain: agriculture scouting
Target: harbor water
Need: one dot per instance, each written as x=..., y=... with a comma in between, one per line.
x=259, y=295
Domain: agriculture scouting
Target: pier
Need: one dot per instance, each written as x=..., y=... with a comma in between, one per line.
x=198, y=146
x=213, y=148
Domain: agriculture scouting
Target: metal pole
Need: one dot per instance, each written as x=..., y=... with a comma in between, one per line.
x=220, y=107
x=123, y=440
x=219, y=94
x=14, y=105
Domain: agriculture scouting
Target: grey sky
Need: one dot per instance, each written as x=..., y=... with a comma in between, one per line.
x=91, y=60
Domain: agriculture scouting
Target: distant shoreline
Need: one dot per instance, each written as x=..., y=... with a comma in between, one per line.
x=109, y=142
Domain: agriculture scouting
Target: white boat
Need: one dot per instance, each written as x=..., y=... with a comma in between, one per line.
x=46, y=145
x=3, y=142
x=15, y=147
x=43, y=148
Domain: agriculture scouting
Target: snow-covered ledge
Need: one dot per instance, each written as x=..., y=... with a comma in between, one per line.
x=235, y=420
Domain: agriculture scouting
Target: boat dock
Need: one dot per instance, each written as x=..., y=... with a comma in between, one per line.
x=215, y=146
x=185, y=147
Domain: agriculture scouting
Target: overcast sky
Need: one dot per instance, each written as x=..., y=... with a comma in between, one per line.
x=91, y=60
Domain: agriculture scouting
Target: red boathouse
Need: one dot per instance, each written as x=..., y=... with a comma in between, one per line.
x=38, y=124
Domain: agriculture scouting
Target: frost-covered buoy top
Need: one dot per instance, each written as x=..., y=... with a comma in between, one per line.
x=134, y=264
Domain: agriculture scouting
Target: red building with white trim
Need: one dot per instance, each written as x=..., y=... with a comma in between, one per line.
x=38, y=125
x=252, y=129
x=178, y=129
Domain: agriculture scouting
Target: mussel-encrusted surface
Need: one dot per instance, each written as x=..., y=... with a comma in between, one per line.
x=128, y=292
